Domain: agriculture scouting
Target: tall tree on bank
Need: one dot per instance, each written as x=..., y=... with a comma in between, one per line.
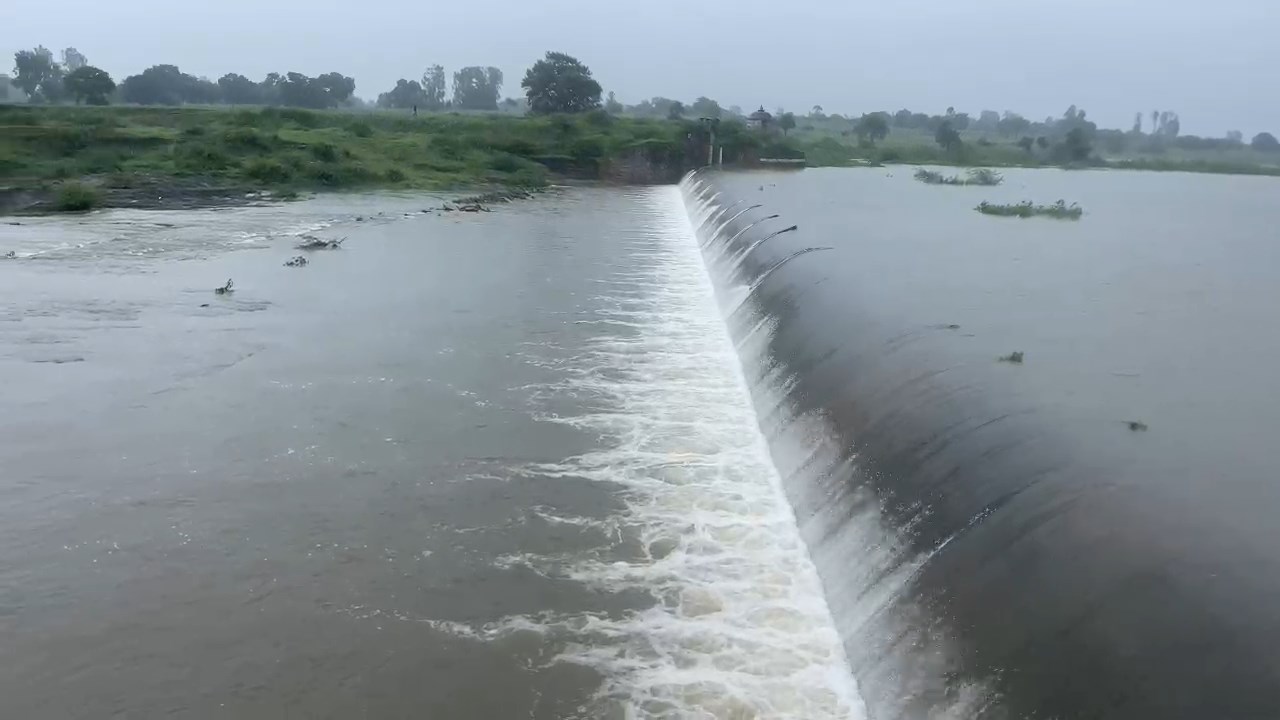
x=89, y=84
x=787, y=121
x=406, y=94
x=35, y=72
x=559, y=83
x=872, y=127
x=73, y=60
x=477, y=88
x=433, y=88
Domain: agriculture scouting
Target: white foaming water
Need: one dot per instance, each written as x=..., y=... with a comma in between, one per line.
x=741, y=628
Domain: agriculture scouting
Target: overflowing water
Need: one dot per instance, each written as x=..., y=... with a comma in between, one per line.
x=738, y=449
x=1002, y=539
x=516, y=449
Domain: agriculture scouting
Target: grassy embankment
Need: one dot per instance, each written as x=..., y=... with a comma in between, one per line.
x=73, y=158
x=909, y=147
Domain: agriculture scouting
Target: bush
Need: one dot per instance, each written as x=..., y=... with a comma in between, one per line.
x=395, y=175
x=324, y=152
x=268, y=171
x=360, y=129
x=300, y=117
x=247, y=138
x=77, y=197
x=201, y=158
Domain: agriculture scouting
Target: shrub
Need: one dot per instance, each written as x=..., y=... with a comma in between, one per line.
x=300, y=117
x=268, y=171
x=247, y=138
x=360, y=129
x=77, y=197
x=201, y=158
x=1059, y=210
x=324, y=152
x=395, y=175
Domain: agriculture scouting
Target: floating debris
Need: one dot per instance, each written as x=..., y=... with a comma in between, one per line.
x=204, y=304
x=296, y=261
x=225, y=289
x=11, y=255
x=1059, y=210
x=975, y=176
x=359, y=218
x=311, y=242
x=1013, y=357
x=1136, y=425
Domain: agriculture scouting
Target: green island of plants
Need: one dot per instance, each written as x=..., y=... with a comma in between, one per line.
x=975, y=176
x=1059, y=210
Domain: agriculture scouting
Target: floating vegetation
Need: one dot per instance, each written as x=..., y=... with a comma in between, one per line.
x=1059, y=210
x=1014, y=357
x=1136, y=425
x=296, y=261
x=975, y=176
x=11, y=255
x=311, y=242
x=225, y=289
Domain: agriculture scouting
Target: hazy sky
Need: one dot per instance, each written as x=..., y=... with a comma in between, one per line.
x=1213, y=63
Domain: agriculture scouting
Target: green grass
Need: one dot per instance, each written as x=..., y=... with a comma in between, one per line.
x=975, y=176
x=77, y=197
x=1059, y=210
x=282, y=149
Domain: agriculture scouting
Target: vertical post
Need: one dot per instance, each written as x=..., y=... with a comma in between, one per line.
x=721, y=155
x=711, y=148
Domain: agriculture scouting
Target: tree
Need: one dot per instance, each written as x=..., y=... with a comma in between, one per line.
x=675, y=111
x=339, y=87
x=406, y=94
x=1025, y=143
x=1137, y=123
x=1235, y=137
x=872, y=127
x=240, y=90
x=947, y=137
x=1075, y=146
x=786, y=121
x=1013, y=124
x=988, y=121
x=157, y=85
x=1155, y=122
x=1042, y=142
x=612, y=106
x=706, y=107
x=73, y=60
x=434, y=88
x=1265, y=141
x=560, y=83
x=816, y=112
x=477, y=88
x=89, y=84
x=34, y=70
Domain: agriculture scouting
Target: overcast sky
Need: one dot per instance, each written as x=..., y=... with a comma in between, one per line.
x=1213, y=63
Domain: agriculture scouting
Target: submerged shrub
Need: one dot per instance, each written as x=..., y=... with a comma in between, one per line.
x=1059, y=210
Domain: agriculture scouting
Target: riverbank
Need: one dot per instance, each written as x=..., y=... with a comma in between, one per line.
x=829, y=152
x=73, y=158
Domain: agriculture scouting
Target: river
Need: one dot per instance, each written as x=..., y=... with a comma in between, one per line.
x=618, y=453
x=468, y=465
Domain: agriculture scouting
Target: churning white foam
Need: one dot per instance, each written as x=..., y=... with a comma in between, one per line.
x=740, y=627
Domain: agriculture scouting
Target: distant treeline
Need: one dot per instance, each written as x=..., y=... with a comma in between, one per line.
x=1070, y=138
